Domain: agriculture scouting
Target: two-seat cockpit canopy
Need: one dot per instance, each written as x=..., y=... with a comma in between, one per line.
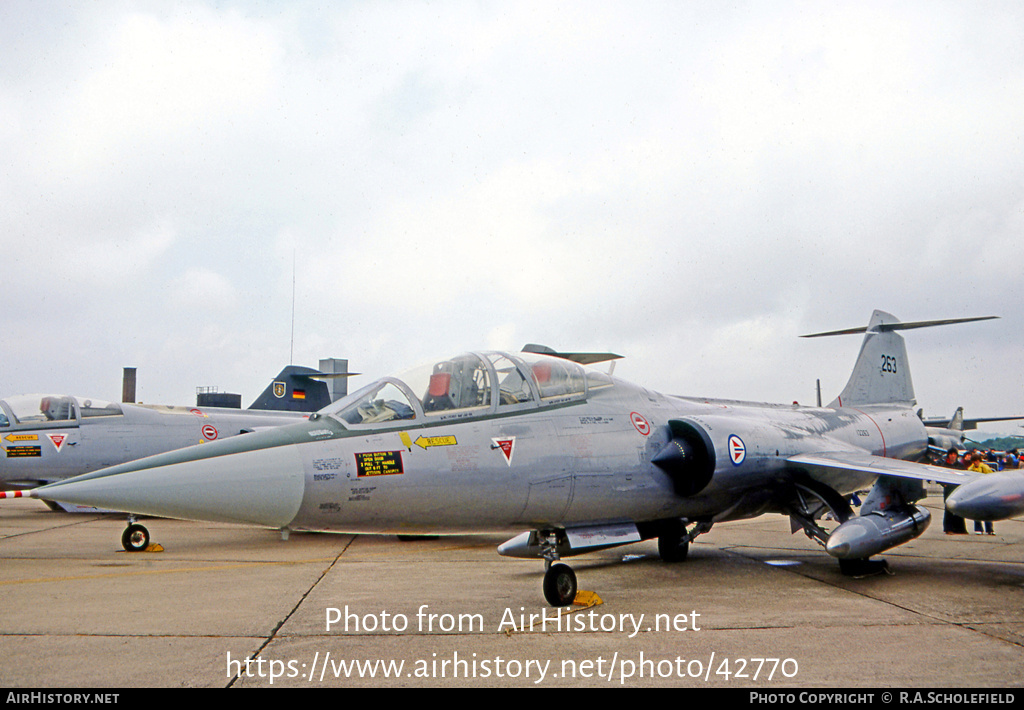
x=469, y=385
x=33, y=410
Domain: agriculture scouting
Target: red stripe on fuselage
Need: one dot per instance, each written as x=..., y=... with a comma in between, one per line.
x=880, y=433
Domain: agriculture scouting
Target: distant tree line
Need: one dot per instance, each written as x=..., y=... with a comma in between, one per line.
x=1002, y=443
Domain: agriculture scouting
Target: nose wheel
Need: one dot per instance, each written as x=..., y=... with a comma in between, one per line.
x=559, y=585
x=135, y=538
x=559, y=579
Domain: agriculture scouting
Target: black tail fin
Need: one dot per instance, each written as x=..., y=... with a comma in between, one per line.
x=295, y=390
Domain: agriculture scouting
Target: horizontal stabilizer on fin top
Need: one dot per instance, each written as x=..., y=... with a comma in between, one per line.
x=881, y=374
x=882, y=327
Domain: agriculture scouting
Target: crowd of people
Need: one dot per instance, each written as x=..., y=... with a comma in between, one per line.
x=991, y=459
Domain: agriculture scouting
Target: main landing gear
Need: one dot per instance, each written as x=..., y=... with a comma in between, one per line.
x=135, y=537
x=674, y=539
x=820, y=510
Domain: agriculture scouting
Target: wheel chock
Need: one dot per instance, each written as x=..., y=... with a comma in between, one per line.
x=586, y=599
x=151, y=547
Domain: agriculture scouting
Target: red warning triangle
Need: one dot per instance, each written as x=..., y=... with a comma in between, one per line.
x=506, y=446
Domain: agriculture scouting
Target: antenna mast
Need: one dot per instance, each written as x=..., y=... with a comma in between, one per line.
x=291, y=353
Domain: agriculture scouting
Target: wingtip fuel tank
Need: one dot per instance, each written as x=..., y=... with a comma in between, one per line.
x=995, y=496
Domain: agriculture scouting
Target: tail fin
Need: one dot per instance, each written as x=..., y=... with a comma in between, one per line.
x=882, y=374
x=957, y=421
x=295, y=390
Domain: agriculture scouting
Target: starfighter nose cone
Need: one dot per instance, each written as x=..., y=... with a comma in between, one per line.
x=994, y=496
x=263, y=487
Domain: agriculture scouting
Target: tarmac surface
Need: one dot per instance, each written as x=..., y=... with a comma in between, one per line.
x=752, y=606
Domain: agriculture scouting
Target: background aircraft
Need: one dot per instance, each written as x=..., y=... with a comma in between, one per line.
x=943, y=434
x=46, y=438
x=302, y=389
x=579, y=460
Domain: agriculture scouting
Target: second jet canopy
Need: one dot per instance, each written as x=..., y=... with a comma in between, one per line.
x=35, y=410
x=469, y=385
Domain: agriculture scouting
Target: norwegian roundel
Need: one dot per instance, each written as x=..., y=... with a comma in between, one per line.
x=737, y=450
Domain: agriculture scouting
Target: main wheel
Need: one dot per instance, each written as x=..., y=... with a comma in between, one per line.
x=671, y=546
x=135, y=538
x=559, y=585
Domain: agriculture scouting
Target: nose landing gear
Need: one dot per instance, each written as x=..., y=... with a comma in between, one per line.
x=559, y=580
x=135, y=537
x=559, y=584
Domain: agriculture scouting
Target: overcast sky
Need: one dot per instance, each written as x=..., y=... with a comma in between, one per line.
x=691, y=185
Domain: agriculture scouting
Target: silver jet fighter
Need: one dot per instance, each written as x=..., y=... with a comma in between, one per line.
x=46, y=438
x=578, y=460
x=50, y=437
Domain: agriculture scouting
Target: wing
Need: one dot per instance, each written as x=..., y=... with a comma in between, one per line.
x=994, y=496
x=881, y=466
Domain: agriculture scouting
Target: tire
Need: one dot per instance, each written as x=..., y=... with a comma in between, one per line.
x=135, y=538
x=670, y=545
x=559, y=585
x=671, y=550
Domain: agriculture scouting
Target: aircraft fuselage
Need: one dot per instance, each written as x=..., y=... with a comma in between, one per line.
x=557, y=467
